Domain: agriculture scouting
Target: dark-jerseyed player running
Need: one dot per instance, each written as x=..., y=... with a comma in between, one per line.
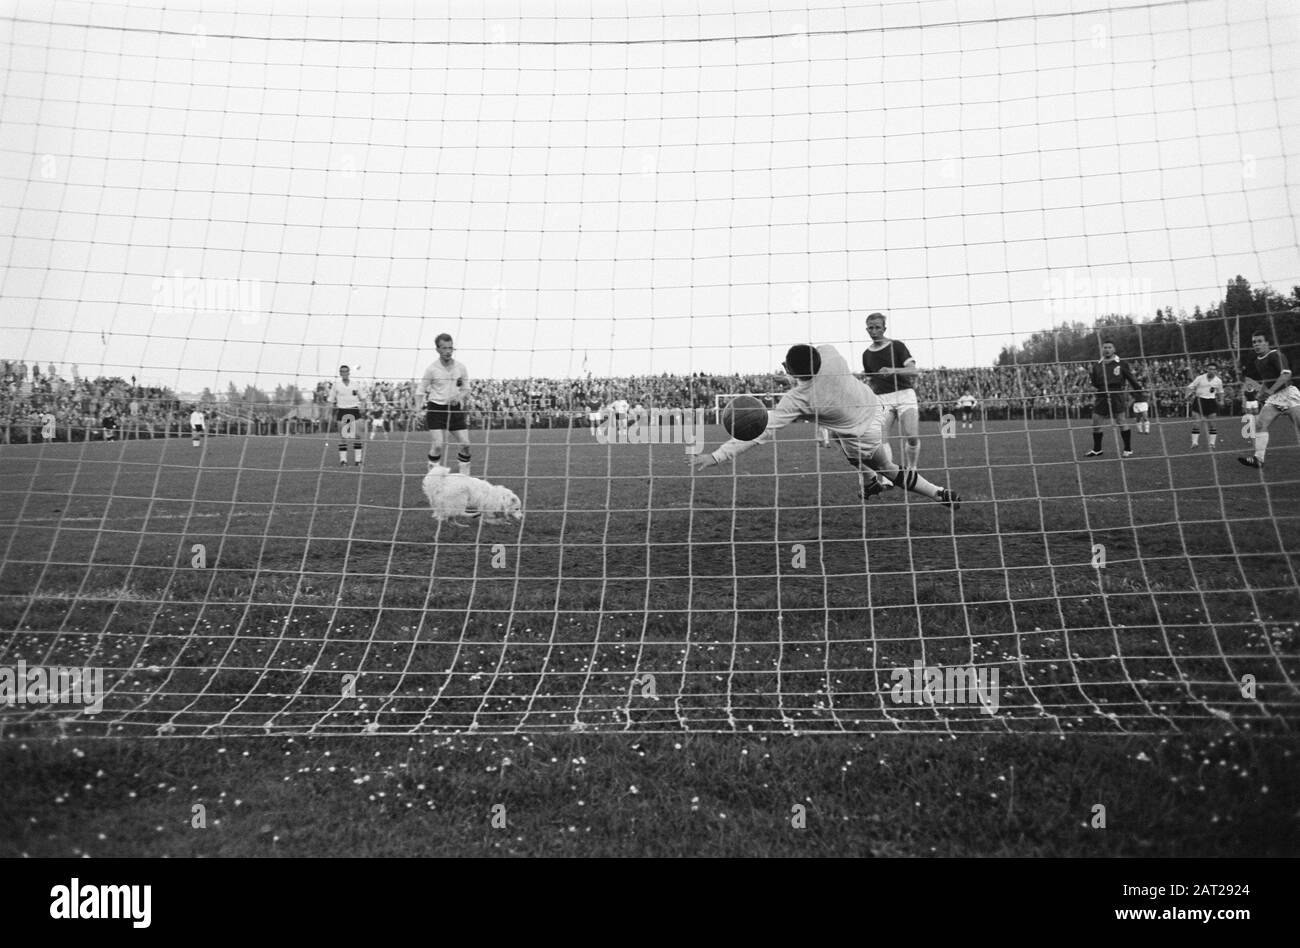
x=890, y=370
x=1110, y=377
x=1271, y=373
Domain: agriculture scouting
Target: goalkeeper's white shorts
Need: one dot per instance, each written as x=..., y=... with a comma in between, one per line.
x=862, y=450
x=1286, y=399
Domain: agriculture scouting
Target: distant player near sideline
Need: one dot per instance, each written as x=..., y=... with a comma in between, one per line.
x=620, y=409
x=198, y=427
x=1142, y=417
x=890, y=369
x=1110, y=376
x=1273, y=375
x=345, y=396
x=966, y=405
x=378, y=424
x=446, y=391
x=826, y=392
x=1204, y=393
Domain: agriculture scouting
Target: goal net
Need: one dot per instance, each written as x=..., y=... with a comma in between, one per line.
x=208, y=213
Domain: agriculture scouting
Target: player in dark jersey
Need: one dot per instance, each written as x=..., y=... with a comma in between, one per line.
x=1110, y=377
x=889, y=369
x=1272, y=375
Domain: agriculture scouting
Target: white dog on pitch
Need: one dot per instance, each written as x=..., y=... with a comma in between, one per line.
x=456, y=495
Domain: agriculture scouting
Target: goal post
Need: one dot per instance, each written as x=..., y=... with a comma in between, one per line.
x=216, y=211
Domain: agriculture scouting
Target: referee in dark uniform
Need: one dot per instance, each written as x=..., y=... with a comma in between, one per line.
x=1110, y=377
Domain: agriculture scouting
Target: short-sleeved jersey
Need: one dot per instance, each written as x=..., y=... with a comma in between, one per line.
x=441, y=382
x=834, y=398
x=196, y=419
x=1205, y=387
x=893, y=353
x=345, y=394
x=1269, y=369
x=966, y=401
x=1111, y=375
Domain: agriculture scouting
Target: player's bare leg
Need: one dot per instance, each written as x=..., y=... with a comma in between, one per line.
x=909, y=425
x=1262, y=423
x=463, y=453
x=886, y=428
x=1213, y=432
x=435, y=448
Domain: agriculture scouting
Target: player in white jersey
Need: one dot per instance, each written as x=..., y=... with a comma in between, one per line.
x=966, y=405
x=345, y=396
x=620, y=408
x=1204, y=393
x=378, y=422
x=445, y=386
x=198, y=426
x=827, y=393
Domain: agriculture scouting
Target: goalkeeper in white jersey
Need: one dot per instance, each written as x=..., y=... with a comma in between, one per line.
x=827, y=393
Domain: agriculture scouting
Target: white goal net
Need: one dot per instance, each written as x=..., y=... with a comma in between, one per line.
x=207, y=211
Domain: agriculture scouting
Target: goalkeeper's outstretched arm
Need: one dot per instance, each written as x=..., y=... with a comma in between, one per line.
x=786, y=412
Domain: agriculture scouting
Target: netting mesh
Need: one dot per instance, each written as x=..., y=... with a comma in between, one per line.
x=614, y=217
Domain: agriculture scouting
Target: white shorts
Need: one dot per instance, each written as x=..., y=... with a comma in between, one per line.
x=1286, y=399
x=895, y=403
x=860, y=449
x=377, y=424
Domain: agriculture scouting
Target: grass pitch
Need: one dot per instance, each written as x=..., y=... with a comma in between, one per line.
x=725, y=643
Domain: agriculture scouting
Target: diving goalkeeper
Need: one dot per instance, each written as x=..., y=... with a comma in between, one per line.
x=826, y=392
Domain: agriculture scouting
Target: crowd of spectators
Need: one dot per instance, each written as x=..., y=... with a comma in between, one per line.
x=86, y=409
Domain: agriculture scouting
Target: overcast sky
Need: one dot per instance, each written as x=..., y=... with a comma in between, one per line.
x=633, y=183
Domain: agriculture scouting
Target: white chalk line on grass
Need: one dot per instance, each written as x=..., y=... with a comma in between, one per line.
x=27, y=520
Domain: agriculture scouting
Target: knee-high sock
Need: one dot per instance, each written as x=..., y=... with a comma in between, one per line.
x=462, y=458
x=1261, y=445
x=909, y=479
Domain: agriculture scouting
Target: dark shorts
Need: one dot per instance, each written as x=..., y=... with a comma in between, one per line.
x=1206, y=407
x=966, y=412
x=347, y=414
x=1110, y=405
x=444, y=418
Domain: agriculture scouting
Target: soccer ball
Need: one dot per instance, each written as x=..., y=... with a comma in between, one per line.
x=745, y=418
